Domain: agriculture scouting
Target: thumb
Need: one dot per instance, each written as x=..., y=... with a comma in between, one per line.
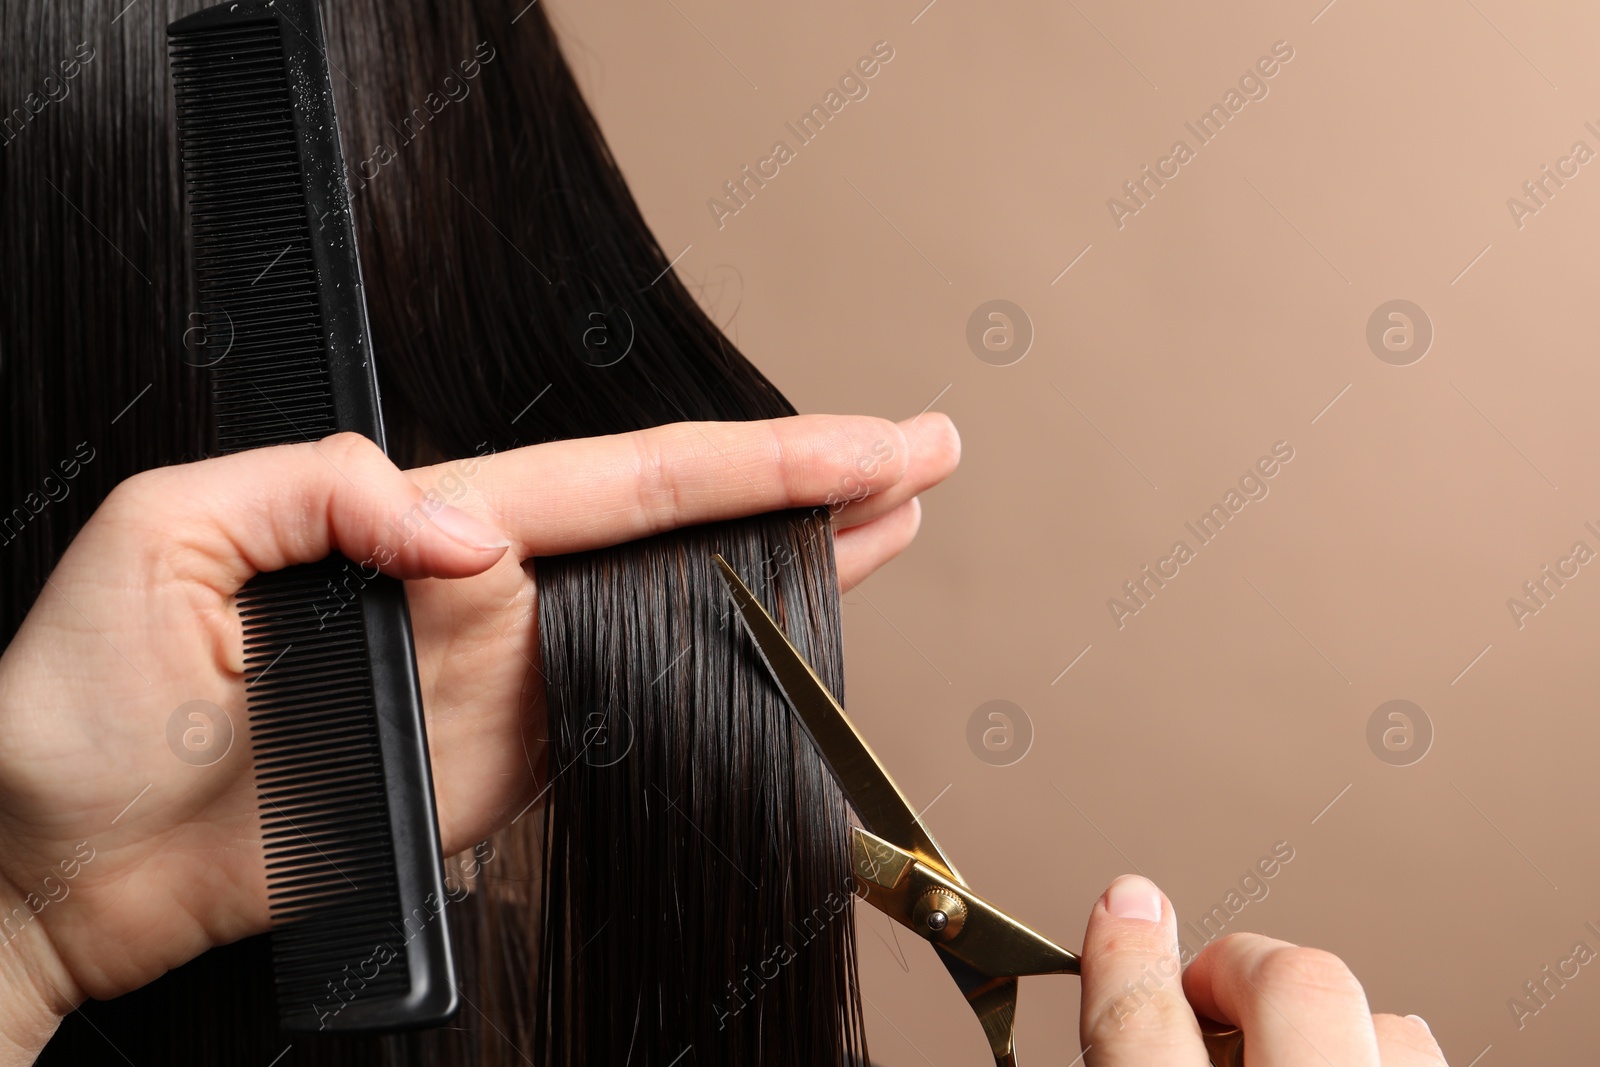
x=221, y=520
x=1134, y=1012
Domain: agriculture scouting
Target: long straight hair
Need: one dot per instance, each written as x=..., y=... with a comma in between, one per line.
x=685, y=898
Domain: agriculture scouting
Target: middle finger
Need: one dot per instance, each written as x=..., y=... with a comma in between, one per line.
x=933, y=449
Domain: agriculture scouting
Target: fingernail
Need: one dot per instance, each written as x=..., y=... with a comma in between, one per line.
x=468, y=530
x=1133, y=897
x=1423, y=1021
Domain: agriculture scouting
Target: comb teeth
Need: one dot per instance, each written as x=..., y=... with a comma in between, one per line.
x=256, y=278
x=320, y=778
x=339, y=891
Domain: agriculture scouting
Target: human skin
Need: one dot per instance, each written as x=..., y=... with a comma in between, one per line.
x=138, y=618
x=1297, y=1006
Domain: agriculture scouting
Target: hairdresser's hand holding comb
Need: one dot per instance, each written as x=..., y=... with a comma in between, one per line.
x=476, y=639
x=129, y=838
x=1296, y=1006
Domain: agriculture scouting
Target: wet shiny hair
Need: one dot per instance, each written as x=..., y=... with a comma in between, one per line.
x=684, y=898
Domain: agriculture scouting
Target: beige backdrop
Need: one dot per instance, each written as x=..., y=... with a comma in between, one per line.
x=1226, y=314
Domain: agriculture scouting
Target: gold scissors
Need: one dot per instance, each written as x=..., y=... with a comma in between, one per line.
x=901, y=870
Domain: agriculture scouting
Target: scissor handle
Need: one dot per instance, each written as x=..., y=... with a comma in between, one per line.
x=1224, y=1043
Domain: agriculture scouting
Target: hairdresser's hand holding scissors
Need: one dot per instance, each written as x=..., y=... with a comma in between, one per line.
x=1245, y=995
x=129, y=839
x=1297, y=1007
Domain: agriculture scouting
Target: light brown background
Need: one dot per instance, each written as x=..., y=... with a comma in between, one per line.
x=1224, y=317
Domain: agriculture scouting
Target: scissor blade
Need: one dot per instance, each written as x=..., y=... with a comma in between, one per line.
x=883, y=809
x=993, y=1001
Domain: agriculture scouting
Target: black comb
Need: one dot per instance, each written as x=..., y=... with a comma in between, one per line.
x=360, y=939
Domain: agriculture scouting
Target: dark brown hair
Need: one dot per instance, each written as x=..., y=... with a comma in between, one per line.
x=686, y=897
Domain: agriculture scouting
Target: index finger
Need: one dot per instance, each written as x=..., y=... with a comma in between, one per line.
x=1296, y=1005
x=571, y=496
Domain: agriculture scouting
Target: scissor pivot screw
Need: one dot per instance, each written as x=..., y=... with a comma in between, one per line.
x=939, y=914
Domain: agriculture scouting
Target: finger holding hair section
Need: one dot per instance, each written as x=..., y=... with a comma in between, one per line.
x=861, y=550
x=933, y=449
x=625, y=486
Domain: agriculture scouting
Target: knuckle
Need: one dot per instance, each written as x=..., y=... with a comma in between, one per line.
x=1135, y=942
x=138, y=515
x=1306, y=974
x=354, y=449
x=898, y=460
x=1234, y=949
x=657, y=493
x=138, y=494
x=788, y=467
x=1237, y=940
x=127, y=494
